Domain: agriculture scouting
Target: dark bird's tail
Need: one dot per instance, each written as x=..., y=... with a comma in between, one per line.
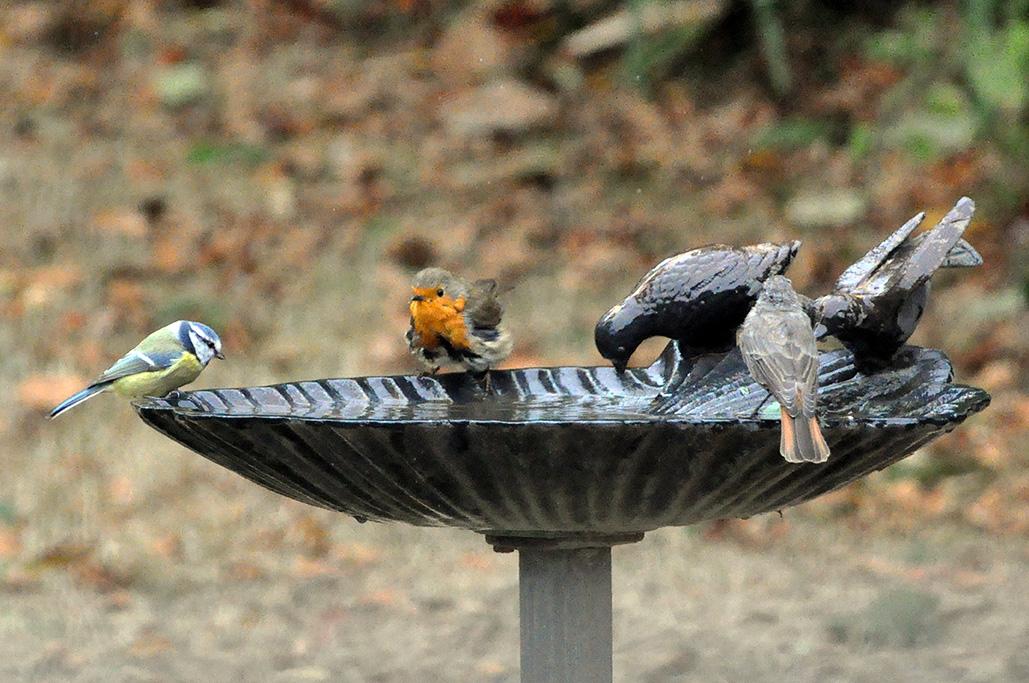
x=75, y=399
x=801, y=440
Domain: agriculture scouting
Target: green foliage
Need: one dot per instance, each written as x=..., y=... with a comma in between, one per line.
x=861, y=142
x=651, y=55
x=773, y=44
x=8, y=515
x=997, y=58
x=791, y=133
x=205, y=152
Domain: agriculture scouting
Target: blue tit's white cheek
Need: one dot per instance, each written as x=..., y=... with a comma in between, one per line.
x=204, y=353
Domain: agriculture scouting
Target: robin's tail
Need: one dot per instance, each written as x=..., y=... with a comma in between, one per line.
x=801, y=440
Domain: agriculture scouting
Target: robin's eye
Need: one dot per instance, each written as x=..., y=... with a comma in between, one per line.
x=439, y=292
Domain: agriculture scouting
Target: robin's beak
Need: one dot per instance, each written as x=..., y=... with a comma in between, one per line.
x=219, y=355
x=417, y=297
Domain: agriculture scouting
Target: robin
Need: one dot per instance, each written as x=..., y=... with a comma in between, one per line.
x=456, y=323
x=778, y=346
x=698, y=298
x=877, y=302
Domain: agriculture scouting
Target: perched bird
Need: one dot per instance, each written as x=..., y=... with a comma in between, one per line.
x=877, y=302
x=778, y=347
x=698, y=297
x=456, y=323
x=167, y=359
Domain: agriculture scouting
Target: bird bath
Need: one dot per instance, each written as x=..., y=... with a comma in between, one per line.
x=562, y=463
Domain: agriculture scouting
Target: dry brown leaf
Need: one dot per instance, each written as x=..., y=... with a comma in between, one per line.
x=150, y=645
x=313, y=535
x=126, y=222
x=174, y=250
x=10, y=543
x=357, y=554
x=309, y=568
x=168, y=545
x=245, y=571
x=381, y=598
x=478, y=561
x=43, y=392
x=44, y=284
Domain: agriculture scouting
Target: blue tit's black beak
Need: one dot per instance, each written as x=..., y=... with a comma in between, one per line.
x=418, y=297
x=219, y=355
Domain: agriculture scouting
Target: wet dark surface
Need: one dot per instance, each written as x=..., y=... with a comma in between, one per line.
x=562, y=451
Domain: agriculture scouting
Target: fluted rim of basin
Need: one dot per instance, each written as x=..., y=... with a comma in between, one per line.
x=651, y=392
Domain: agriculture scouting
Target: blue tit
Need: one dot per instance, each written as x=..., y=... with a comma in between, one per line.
x=167, y=359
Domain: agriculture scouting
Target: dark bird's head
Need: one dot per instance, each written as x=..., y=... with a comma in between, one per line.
x=836, y=314
x=619, y=332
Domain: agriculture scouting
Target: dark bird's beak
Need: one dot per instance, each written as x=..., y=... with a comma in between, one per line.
x=619, y=365
x=418, y=297
x=220, y=355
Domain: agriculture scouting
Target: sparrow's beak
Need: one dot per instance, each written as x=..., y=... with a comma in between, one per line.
x=417, y=297
x=219, y=355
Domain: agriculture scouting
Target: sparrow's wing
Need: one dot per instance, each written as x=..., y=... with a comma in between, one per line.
x=779, y=350
x=482, y=306
x=862, y=269
x=933, y=248
x=135, y=362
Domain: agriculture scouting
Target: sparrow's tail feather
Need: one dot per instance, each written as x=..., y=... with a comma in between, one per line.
x=802, y=440
x=75, y=399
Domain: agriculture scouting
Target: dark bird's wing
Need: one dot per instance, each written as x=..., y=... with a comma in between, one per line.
x=962, y=255
x=858, y=273
x=779, y=349
x=924, y=257
x=482, y=306
x=135, y=362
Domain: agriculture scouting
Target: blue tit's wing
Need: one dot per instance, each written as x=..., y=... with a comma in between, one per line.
x=136, y=361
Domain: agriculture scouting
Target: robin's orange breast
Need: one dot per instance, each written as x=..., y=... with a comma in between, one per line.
x=440, y=319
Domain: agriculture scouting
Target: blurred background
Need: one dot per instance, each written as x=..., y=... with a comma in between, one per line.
x=280, y=169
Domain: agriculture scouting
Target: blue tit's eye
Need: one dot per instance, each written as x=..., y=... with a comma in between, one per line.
x=439, y=292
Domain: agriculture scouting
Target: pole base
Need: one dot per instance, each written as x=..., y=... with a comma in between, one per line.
x=564, y=599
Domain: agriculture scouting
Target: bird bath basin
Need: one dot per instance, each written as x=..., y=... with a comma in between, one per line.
x=562, y=463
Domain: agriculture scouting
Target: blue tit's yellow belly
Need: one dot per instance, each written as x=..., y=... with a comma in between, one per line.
x=159, y=382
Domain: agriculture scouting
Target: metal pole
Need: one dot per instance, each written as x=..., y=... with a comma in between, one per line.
x=565, y=604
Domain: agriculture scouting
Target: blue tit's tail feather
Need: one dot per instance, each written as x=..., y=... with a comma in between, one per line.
x=75, y=399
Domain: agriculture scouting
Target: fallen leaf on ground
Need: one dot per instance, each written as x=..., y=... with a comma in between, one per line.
x=43, y=392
